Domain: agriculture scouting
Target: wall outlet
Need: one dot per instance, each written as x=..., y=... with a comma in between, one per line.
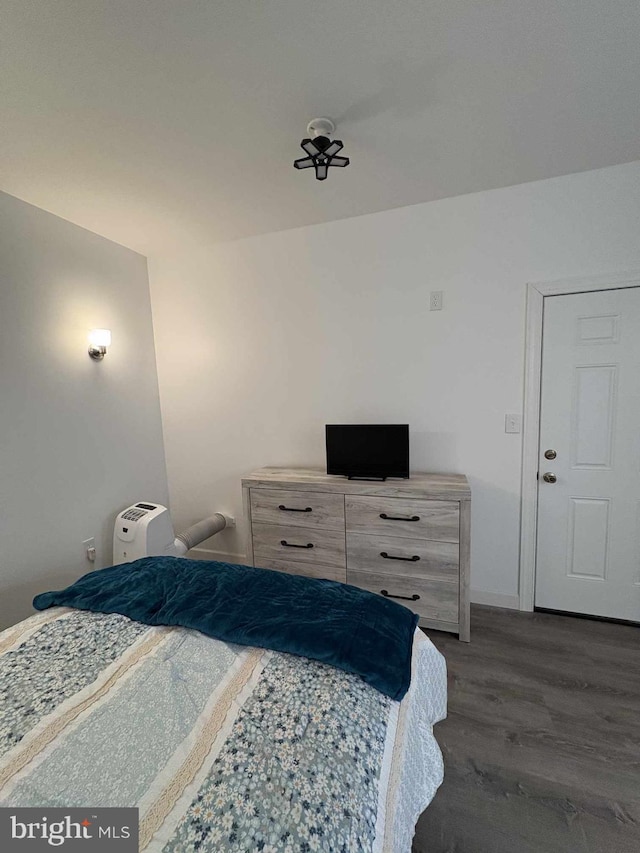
x=89, y=546
x=512, y=423
x=435, y=301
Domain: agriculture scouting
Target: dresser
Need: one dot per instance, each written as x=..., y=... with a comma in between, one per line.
x=408, y=540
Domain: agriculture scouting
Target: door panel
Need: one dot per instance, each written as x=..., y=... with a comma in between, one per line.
x=593, y=415
x=588, y=550
x=588, y=538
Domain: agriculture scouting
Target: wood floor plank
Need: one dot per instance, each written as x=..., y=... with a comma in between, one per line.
x=542, y=741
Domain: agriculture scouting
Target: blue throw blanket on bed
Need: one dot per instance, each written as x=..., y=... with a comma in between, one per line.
x=324, y=620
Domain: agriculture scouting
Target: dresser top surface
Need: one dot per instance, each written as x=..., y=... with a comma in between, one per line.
x=440, y=486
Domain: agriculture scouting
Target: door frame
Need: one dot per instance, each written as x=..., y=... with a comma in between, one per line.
x=536, y=294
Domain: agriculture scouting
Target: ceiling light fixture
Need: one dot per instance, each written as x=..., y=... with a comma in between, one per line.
x=321, y=150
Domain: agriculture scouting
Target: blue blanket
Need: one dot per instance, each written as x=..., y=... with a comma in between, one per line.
x=324, y=620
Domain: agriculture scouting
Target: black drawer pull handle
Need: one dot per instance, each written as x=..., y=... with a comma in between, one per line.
x=413, y=597
x=399, y=517
x=413, y=559
x=291, y=545
x=293, y=509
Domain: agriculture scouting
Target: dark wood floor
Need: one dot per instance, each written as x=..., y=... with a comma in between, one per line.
x=542, y=742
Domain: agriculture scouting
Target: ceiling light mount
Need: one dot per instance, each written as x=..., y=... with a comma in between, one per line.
x=320, y=127
x=321, y=150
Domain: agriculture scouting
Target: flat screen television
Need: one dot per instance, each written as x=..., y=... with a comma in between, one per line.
x=368, y=451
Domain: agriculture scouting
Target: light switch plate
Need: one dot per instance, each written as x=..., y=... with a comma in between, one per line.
x=512, y=423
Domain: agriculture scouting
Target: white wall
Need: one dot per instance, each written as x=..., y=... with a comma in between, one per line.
x=80, y=439
x=262, y=341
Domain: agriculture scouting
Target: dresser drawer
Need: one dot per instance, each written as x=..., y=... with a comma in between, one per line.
x=299, y=509
x=436, y=599
x=332, y=573
x=417, y=519
x=298, y=544
x=438, y=560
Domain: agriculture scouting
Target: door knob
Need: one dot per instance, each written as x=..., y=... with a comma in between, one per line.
x=549, y=477
x=550, y=454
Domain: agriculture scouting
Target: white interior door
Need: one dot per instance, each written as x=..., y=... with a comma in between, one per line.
x=588, y=550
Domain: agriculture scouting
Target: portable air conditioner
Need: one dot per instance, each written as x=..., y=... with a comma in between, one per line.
x=142, y=530
x=145, y=530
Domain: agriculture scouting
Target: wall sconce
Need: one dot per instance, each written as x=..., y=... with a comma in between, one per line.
x=99, y=340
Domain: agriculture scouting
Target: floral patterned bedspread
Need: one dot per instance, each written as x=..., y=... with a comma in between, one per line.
x=221, y=747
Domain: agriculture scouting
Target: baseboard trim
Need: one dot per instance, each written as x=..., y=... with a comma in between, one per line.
x=495, y=599
x=220, y=556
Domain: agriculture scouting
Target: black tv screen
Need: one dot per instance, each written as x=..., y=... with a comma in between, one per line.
x=368, y=450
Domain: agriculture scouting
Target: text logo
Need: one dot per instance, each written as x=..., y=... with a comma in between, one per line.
x=32, y=830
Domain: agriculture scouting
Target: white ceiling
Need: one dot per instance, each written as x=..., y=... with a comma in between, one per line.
x=154, y=121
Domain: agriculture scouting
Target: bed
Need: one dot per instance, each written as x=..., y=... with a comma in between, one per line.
x=221, y=746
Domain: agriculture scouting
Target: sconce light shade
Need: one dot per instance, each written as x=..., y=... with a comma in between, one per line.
x=99, y=340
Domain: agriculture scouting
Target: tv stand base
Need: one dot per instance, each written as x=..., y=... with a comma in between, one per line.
x=368, y=479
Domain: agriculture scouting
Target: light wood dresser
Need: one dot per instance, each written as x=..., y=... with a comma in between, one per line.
x=405, y=539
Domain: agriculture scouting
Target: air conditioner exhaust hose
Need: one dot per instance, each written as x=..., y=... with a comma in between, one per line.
x=200, y=531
